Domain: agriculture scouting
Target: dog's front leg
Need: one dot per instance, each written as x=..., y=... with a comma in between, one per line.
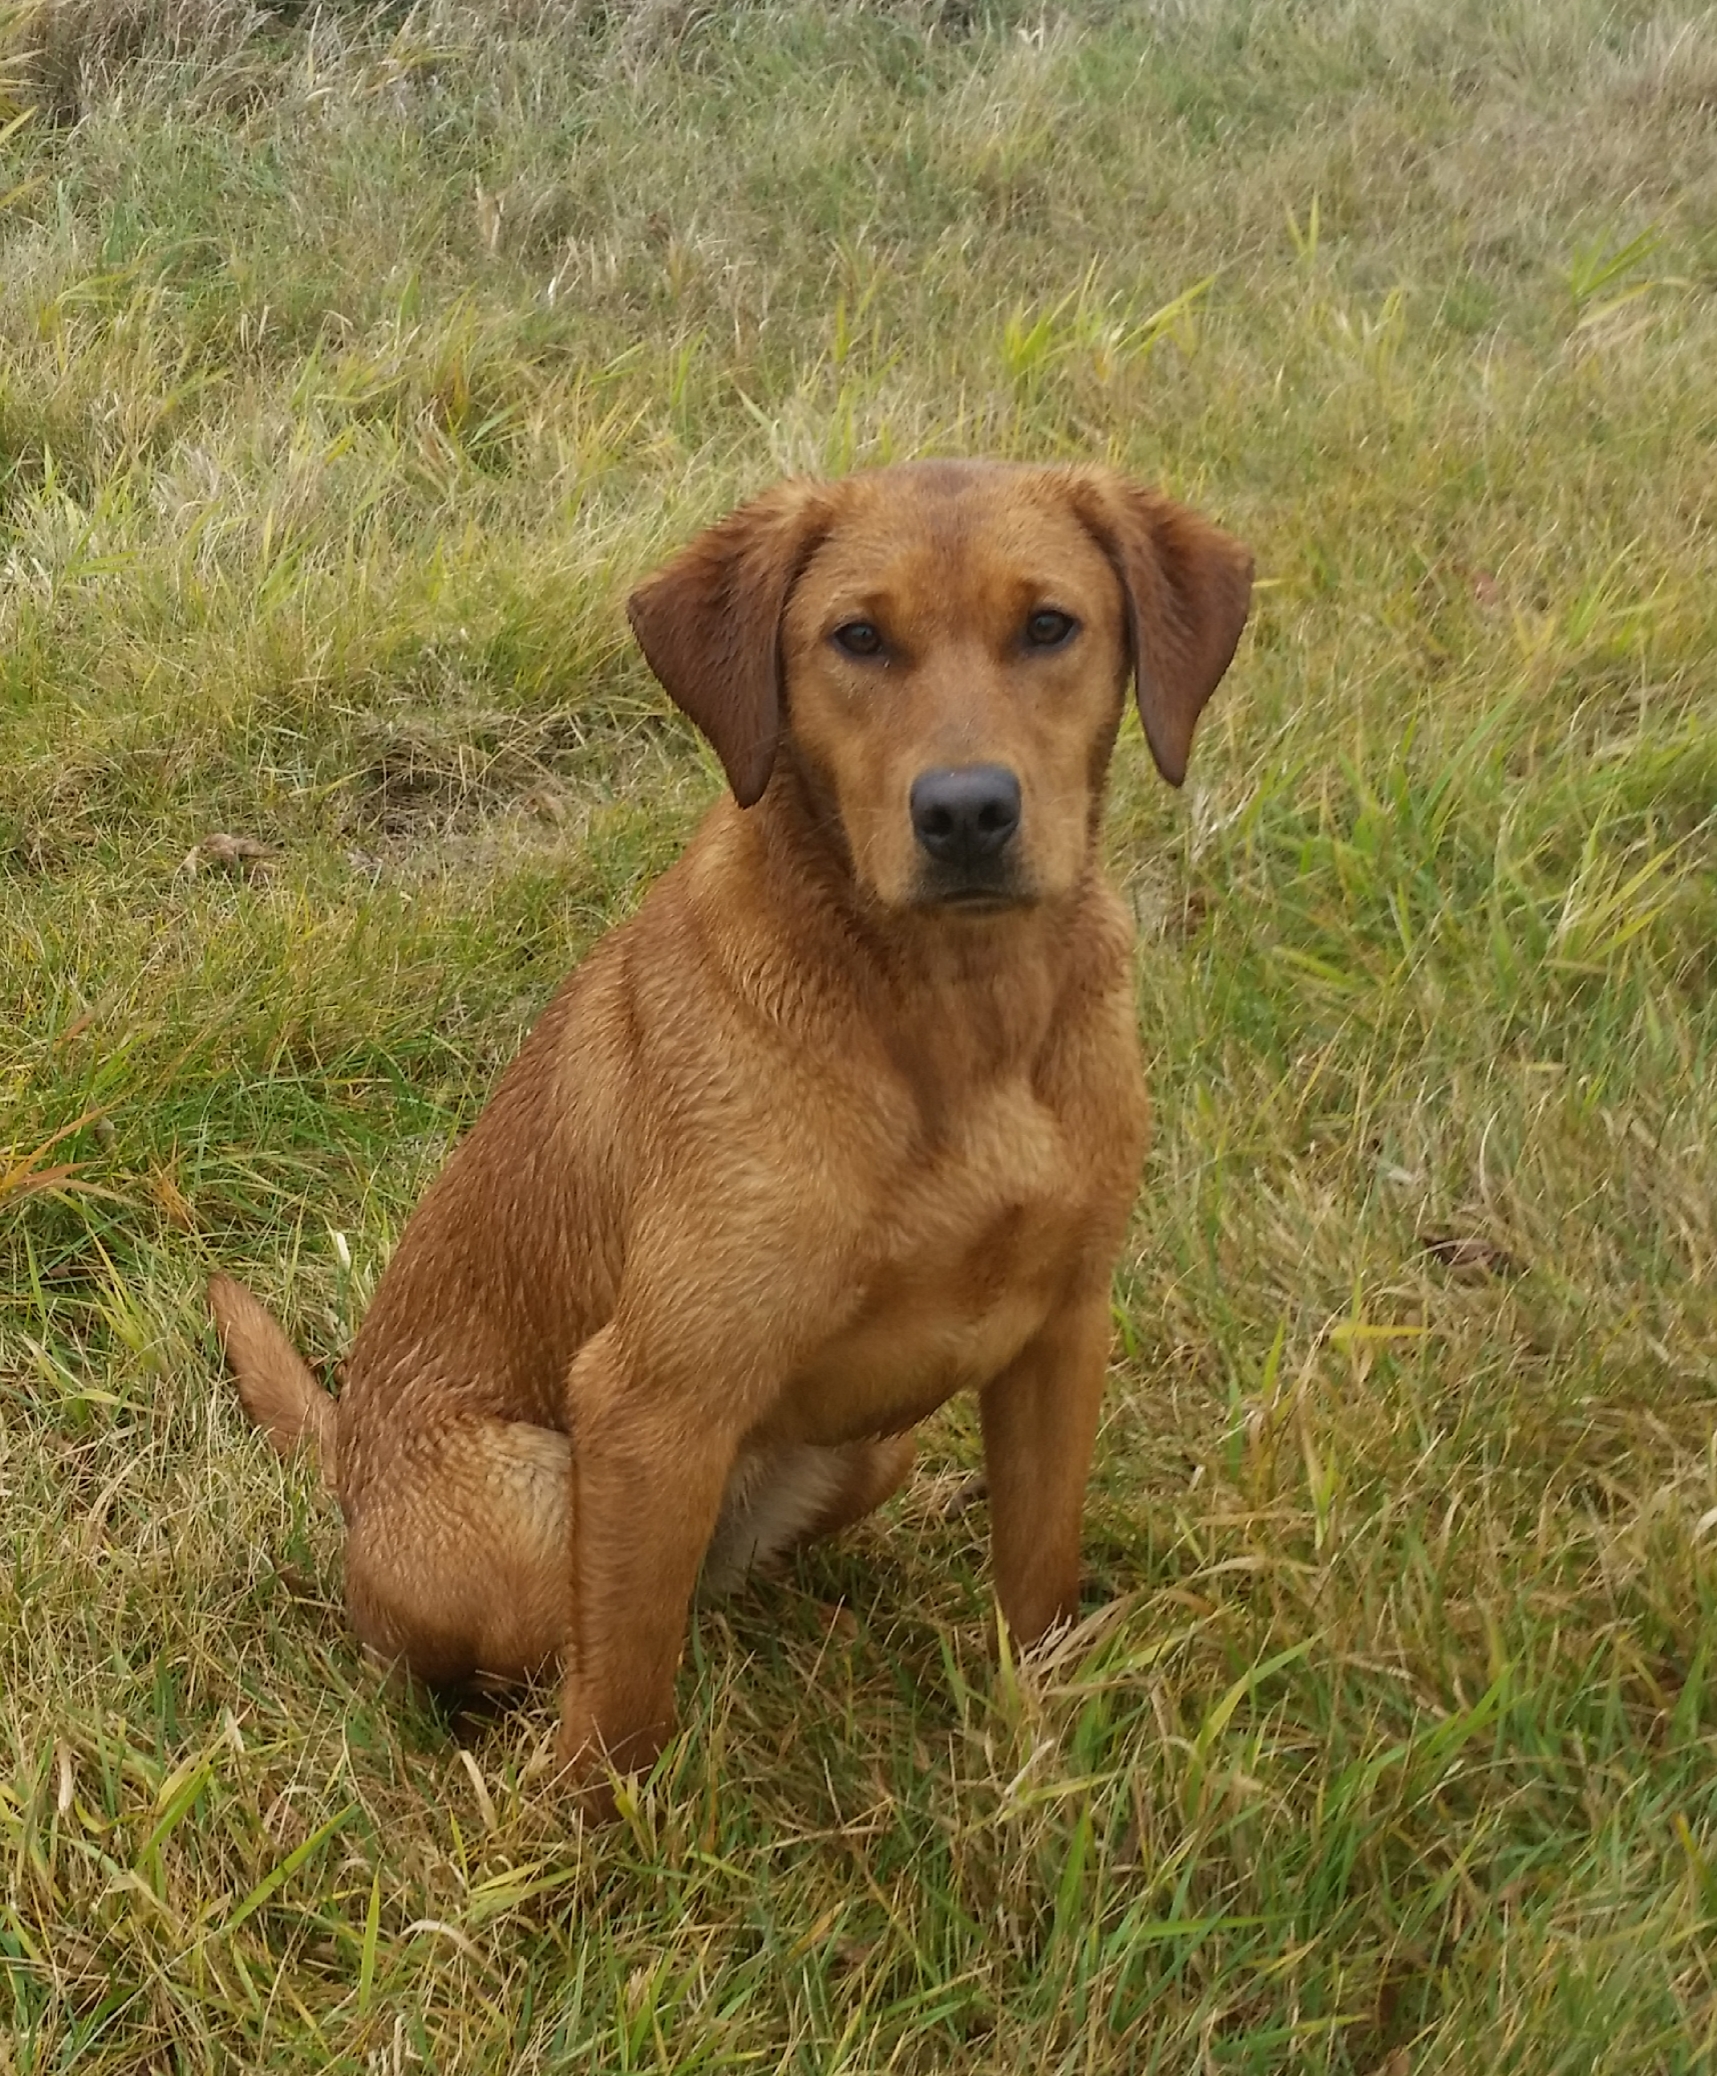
x=648, y=1476
x=1040, y=1425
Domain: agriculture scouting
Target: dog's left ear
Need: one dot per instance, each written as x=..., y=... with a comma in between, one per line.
x=1188, y=587
x=710, y=625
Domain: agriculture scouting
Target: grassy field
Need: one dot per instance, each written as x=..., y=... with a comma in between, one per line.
x=351, y=368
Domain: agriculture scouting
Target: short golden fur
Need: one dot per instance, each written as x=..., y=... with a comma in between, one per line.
x=847, y=1119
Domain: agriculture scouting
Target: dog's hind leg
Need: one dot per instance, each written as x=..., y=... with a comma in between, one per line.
x=459, y=1563
x=778, y=1499
x=868, y=1473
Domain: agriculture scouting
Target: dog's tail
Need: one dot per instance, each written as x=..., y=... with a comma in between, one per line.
x=274, y=1381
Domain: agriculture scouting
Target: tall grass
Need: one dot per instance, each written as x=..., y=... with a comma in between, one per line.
x=351, y=367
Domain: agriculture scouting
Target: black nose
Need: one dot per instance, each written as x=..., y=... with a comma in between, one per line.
x=965, y=815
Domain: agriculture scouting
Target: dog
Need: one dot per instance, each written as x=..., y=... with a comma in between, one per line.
x=848, y=1118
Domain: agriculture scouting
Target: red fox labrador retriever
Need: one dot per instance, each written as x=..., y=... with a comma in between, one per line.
x=847, y=1119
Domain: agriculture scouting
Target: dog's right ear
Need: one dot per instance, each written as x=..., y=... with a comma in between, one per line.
x=710, y=625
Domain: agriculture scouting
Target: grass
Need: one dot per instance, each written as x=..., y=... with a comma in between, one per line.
x=351, y=367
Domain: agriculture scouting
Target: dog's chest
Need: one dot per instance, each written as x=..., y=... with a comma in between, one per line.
x=956, y=1271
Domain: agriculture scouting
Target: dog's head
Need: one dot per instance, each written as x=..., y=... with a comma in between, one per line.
x=940, y=651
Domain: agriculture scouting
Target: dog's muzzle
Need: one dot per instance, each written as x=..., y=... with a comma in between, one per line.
x=965, y=818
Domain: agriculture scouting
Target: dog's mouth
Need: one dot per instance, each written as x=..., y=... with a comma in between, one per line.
x=972, y=897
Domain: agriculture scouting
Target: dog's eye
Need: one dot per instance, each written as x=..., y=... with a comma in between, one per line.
x=859, y=638
x=1048, y=629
